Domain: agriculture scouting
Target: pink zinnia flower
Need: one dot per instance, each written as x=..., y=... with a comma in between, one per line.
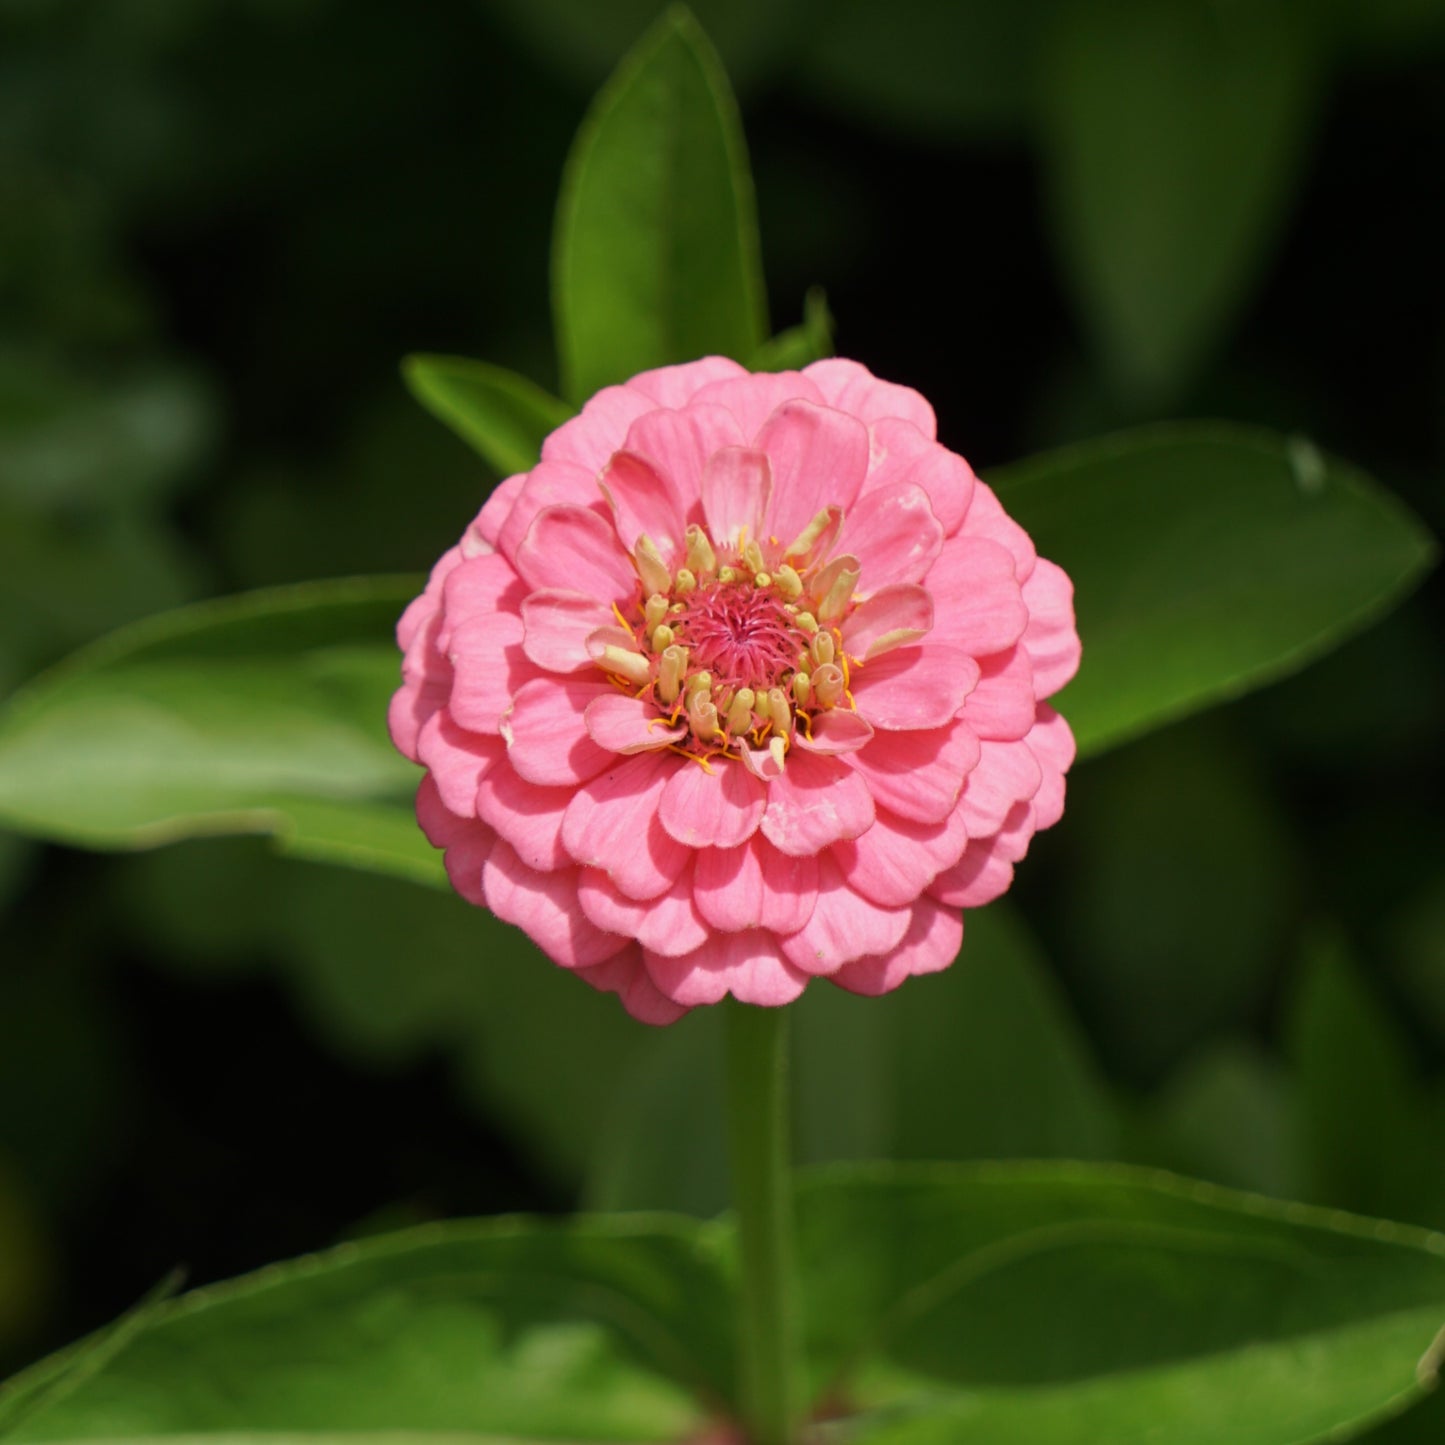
x=740, y=686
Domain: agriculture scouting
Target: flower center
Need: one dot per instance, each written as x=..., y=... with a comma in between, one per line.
x=740, y=646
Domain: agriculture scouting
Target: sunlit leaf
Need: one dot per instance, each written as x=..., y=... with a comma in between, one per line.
x=655, y=255
x=1207, y=560
x=603, y=1330
x=263, y=713
x=1067, y=1305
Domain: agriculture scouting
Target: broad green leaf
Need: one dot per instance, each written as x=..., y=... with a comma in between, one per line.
x=503, y=415
x=1172, y=135
x=263, y=713
x=50, y=1380
x=1207, y=560
x=655, y=255
x=599, y=1330
x=1055, y=1305
x=1067, y=1305
x=810, y=340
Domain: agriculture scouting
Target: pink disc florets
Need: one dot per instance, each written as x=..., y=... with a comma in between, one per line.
x=741, y=685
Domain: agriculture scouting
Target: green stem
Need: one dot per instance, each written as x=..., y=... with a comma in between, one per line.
x=758, y=1106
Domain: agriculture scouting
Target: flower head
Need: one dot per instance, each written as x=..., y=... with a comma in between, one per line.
x=740, y=686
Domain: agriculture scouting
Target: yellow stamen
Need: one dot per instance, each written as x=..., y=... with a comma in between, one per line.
x=752, y=556
x=802, y=687
x=835, y=584
x=631, y=665
x=789, y=583
x=828, y=684
x=686, y=582
x=727, y=574
x=740, y=710
x=655, y=611
x=661, y=638
x=650, y=566
x=822, y=648
x=807, y=539
x=669, y=677
x=700, y=555
x=782, y=714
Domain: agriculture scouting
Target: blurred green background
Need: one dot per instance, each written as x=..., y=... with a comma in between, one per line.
x=222, y=223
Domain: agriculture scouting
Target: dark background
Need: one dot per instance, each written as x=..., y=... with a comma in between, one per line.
x=221, y=226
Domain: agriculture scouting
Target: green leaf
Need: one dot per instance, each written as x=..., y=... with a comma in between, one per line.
x=656, y=256
x=1207, y=560
x=811, y=340
x=1172, y=134
x=503, y=415
x=600, y=1330
x=1054, y=1305
x=263, y=713
x=1065, y=1305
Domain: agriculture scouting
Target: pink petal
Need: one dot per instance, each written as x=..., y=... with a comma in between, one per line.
x=914, y=687
x=478, y=589
x=590, y=438
x=754, y=398
x=625, y=975
x=834, y=732
x=544, y=906
x=754, y=886
x=555, y=627
x=897, y=858
x=644, y=502
x=550, y=484
x=717, y=809
x=1002, y=706
x=819, y=457
x=892, y=531
x=612, y=824
x=1051, y=640
x=668, y=924
x=420, y=610
x=853, y=388
x=930, y=945
x=736, y=485
x=490, y=667
x=576, y=550
x=457, y=760
x=410, y=707
x=980, y=876
x=901, y=454
x=623, y=724
x=1007, y=773
x=1052, y=743
x=467, y=842
x=919, y=775
x=528, y=817
x=676, y=386
x=844, y=926
x=547, y=740
x=978, y=606
x=816, y=802
x=987, y=519
x=749, y=965
x=678, y=444
x=891, y=617
x=495, y=509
